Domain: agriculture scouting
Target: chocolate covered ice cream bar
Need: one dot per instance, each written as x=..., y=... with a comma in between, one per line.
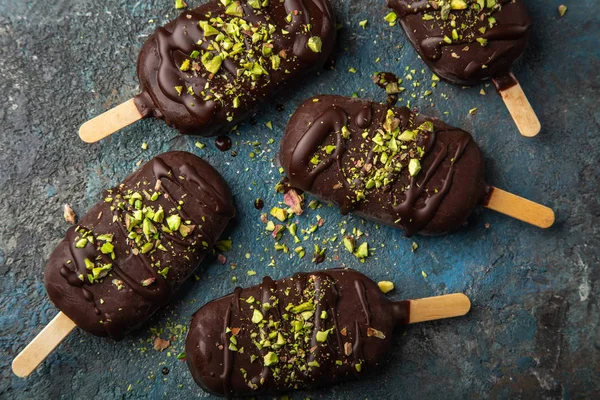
x=211, y=67
x=393, y=166
x=307, y=331
x=467, y=41
x=132, y=251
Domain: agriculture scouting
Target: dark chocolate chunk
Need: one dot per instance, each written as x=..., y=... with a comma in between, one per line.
x=386, y=164
x=211, y=67
x=311, y=330
x=136, y=246
x=466, y=41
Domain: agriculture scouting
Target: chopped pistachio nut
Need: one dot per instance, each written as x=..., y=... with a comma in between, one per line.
x=279, y=213
x=270, y=359
x=315, y=44
x=562, y=9
x=174, y=221
x=257, y=316
x=391, y=18
x=385, y=286
x=414, y=166
x=185, y=66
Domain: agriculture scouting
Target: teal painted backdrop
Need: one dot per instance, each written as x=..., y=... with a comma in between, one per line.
x=533, y=331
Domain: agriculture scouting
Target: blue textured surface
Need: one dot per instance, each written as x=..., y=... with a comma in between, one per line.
x=533, y=331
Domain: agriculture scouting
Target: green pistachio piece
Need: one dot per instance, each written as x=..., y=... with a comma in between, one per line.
x=257, y=316
x=185, y=65
x=106, y=237
x=159, y=216
x=314, y=364
x=163, y=272
x=279, y=213
x=89, y=264
x=385, y=286
x=224, y=245
x=391, y=18
x=414, y=166
x=330, y=149
x=308, y=305
x=107, y=248
x=323, y=314
x=207, y=29
x=180, y=4
x=235, y=9
x=562, y=9
x=362, y=251
x=185, y=230
x=270, y=359
x=315, y=44
x=147, y=247
x=81, y=243
x=212, y=65
x=275, y=62
x=148, y=228
x=408, y=136
x=348, y=244
x=458, y=4
x=173, y=222
x=254, y=4
x=322, y=336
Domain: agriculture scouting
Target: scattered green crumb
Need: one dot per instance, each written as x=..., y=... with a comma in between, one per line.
x=562, y=9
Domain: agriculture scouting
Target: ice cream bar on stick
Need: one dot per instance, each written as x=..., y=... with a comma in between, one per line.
x=211, y=67
x=311, y=330
x=393, y=166
x=132, y=251
x=467, y=41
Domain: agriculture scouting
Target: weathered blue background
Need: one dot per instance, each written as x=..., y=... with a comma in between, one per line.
x=534, y=328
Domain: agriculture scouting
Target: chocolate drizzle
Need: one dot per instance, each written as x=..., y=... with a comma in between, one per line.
x=139, y=281
x=198, y=101
x=502, y=31
x=436, y=200
x=349, y=350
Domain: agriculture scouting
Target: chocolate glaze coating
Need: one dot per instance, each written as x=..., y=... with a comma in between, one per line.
x=359, y=319
x=138, y=283
x=234, y=93
x=436, y=201
x=462, y=61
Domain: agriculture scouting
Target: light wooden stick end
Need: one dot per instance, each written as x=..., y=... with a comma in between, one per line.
x=438, y=307
x=42, y=345
x=519, y=107
x=109, y=122
x=520, y=208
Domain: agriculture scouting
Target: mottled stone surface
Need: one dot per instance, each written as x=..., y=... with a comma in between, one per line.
x=534, y=328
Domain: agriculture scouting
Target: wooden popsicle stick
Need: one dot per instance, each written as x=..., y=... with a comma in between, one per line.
x=520, y=208
x=438, y=307
x=518, y=106
x=109, y=122
x=42, y=345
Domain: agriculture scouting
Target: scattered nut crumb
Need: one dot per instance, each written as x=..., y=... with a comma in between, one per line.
x=292, y=199
x=160, y=344
x=70, y=215
x=371, y=332
x=562, y=9
x=347, y=348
